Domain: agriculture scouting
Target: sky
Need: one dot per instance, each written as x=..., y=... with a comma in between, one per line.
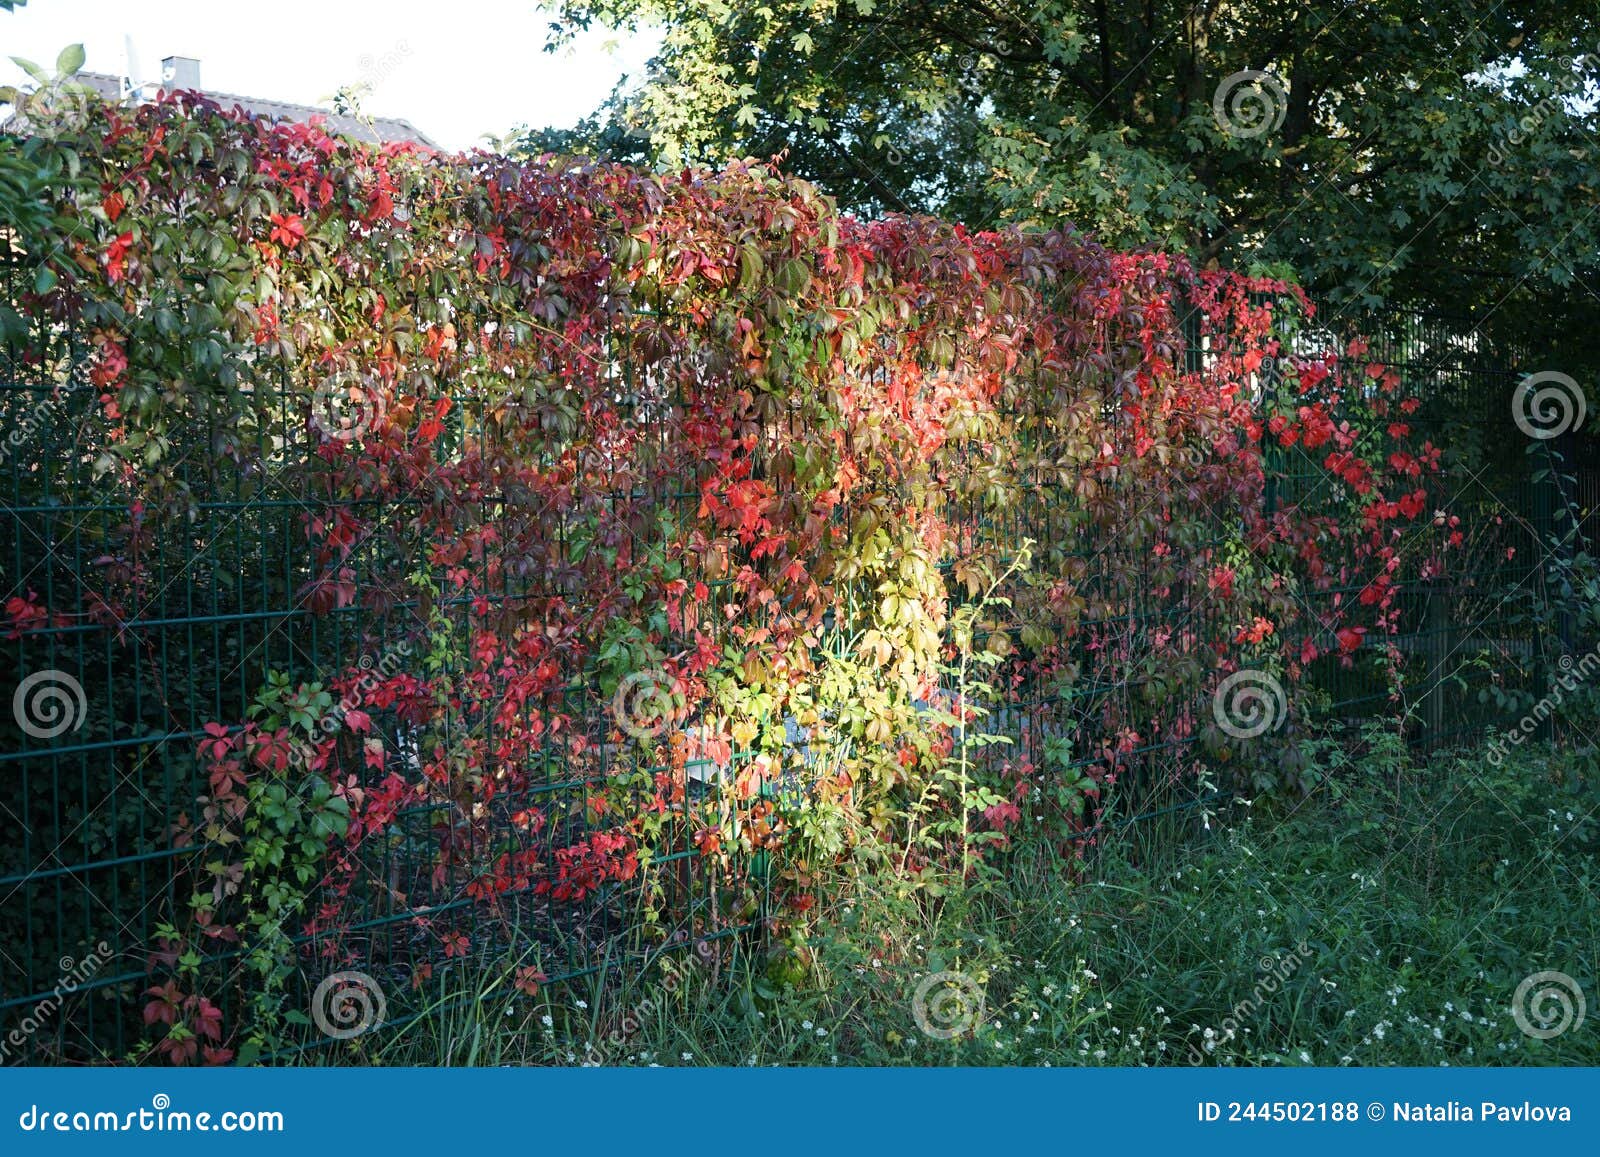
x=456, y=69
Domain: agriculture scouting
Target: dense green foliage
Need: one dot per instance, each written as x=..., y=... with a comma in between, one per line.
x=1395, y=915
x=1402, y=150
x=644, y=531
x=673, y=557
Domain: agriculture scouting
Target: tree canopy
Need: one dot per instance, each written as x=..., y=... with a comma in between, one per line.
x=1438, y=151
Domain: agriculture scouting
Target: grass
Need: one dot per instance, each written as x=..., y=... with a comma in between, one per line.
x=1386, y=920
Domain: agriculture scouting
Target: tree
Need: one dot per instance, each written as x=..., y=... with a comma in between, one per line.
x=1434, y=151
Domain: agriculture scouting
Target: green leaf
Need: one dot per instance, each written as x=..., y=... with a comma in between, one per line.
x=31, y=69
x=70, y=60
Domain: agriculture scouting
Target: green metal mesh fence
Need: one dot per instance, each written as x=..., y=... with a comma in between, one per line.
x=89, y=859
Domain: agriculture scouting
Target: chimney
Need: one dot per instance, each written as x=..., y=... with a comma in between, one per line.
x=180, y=72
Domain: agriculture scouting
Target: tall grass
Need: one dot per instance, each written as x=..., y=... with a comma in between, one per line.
x=1387, y=919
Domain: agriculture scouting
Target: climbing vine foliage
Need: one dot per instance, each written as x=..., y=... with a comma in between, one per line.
x=669, y=538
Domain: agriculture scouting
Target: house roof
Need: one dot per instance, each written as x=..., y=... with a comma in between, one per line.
x=374, y=130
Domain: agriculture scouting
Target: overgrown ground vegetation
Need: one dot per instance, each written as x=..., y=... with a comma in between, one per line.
x=1397, y=908
x=721, y=485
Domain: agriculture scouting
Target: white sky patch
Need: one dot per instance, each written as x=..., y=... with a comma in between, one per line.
x=456, y=69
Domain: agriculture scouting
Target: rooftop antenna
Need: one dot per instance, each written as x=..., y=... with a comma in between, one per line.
x=133, y=81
